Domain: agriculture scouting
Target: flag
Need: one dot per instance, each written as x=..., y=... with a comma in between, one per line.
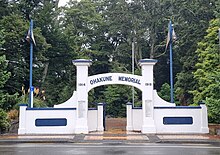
x=30, y=36
x=168, y=35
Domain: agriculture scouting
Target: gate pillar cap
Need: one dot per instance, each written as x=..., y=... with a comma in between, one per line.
x=100, y=104
x=147, y=62
x=129, y=103
x=82, y=62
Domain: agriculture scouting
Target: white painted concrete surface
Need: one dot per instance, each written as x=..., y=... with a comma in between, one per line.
x=28, y=118
x=93, y=120
x=162, y=128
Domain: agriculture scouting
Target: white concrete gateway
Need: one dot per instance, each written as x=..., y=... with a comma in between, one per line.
x=73, y=116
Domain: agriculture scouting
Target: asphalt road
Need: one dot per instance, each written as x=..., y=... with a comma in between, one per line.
x=108, y=149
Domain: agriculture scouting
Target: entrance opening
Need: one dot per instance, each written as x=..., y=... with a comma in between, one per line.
x=115, y=99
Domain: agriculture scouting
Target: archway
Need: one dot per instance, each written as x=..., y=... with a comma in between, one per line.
x=145, y=83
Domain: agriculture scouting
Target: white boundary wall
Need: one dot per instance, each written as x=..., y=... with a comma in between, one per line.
x=48, y=120
x=198, y=123
x=56, y=120
x=170, y=118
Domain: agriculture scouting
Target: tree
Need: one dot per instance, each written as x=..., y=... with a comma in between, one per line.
x=57, y=68
x=103, y=31
x=4, y=74
x=207, y=67
x=207, y=72
x=16, y=50
x=191, y=21
x=213, y=110
x=4, y=8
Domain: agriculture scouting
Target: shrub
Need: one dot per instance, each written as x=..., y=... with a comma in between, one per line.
x=213, y=106
x=4, y=122
x=13, y=114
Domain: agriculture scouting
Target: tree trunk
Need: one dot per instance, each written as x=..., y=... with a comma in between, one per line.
x=45, y=72
x=152, y=49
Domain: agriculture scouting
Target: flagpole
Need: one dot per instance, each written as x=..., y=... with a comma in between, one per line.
x=171, y=63
x=219, y=41
x=31, y=65
x=132, y=44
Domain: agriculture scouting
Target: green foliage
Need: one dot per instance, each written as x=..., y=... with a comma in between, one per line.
x=16, y=50
x=6, y=100
x=116, y=97
x=38, y=101
x=208, y=68
x=4, y=76
x=191, y=19
x=57, y=74
x=4, y=8
x=2, y=41
x=213, y=110
x=4, y=122
x=164, y=92
x=207, y=73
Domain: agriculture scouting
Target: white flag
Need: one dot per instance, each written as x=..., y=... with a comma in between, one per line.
x=30, y=37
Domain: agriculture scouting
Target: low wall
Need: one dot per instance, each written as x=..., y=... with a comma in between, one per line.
x=46, y=120
x=173, y=119
x=56, y=120
x=178, y=119
x=95, y=118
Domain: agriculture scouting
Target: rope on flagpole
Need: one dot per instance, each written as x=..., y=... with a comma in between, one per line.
x=132, y=44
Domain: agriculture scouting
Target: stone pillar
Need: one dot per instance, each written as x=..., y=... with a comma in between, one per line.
x=129, y=126
x=22, y=119
x=148, y=125
x=204, y=118
x=82, y=95
x=100, y=117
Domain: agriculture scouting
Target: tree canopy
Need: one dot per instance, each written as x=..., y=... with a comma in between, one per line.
x=103, y=31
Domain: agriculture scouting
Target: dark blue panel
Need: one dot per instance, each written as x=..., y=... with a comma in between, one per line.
x=179, y=107
x=177, y=120
x=51, y=122
x=49, y=108
x=92, y=109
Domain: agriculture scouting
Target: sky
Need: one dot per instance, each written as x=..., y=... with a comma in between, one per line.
x=62, y=2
